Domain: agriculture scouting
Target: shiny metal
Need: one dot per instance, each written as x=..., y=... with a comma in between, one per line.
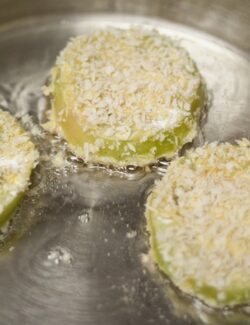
x=77, y=252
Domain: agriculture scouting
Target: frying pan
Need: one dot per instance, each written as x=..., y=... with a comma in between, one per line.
x=77, y=250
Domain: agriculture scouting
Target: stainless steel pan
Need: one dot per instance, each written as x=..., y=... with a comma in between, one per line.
x=77, y=249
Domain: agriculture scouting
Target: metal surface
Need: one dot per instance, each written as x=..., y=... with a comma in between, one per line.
x=78, y=249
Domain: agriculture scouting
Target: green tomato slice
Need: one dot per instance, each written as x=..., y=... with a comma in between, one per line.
x=155, y=115
x=198, y=220
x=18, y=157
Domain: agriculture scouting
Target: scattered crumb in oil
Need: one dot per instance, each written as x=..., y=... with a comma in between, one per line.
x=11, y=249
x=33, y=128
x=84, y=218
x=60, y=255
x=131, y=234
x=144, y=258
x=148, y=262
x=59, y=160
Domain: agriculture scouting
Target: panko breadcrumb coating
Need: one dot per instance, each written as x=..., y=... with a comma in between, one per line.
x=18, y=157
x=198, y=217
x=125, y=97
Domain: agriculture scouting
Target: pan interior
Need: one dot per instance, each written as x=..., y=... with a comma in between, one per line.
x=83, y=256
